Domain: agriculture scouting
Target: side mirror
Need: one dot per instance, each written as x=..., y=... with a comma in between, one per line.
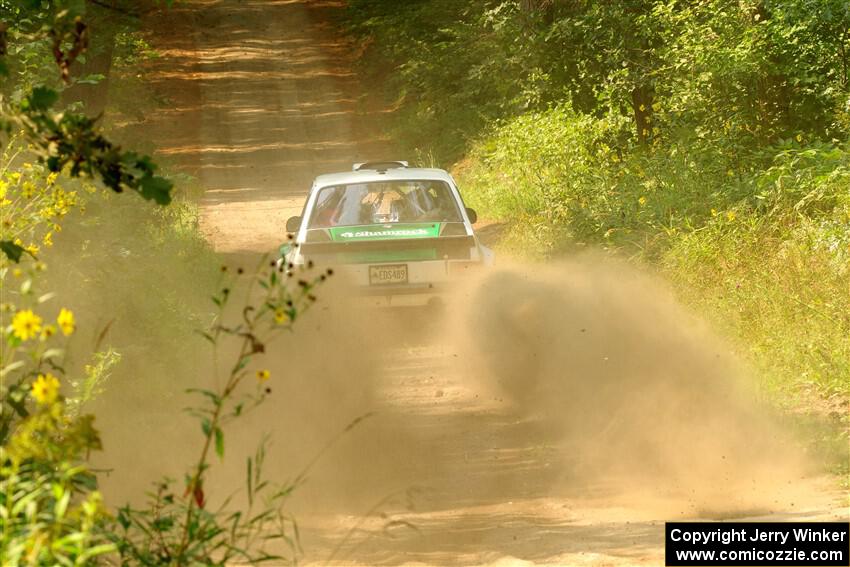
x=473, y=216
x=293, y=224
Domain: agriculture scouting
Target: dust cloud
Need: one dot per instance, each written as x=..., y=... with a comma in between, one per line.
x=532, y=381
x=633, y=395
x=327, y=414
x=637, y=393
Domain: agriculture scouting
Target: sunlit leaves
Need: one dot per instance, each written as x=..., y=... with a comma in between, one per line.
x=11, y=250
x=67, y=142
x=40, y=100
x=71, y=143
x=219, y=442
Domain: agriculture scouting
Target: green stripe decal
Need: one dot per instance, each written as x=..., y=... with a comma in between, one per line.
x=384, y=232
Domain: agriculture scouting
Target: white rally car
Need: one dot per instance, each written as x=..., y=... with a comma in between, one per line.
x=401, y=234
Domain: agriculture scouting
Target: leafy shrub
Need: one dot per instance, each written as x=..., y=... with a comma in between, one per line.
x=753, y=72
x=50, y=508
x=775, y=274
x=760, y=243
x=52, y=512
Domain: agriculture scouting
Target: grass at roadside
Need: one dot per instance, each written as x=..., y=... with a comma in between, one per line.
x=582, y=125
x=761, y=247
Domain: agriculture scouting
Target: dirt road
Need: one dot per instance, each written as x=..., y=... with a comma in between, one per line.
x=263, y=97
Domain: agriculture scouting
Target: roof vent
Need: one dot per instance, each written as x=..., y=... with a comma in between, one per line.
x=379, y=165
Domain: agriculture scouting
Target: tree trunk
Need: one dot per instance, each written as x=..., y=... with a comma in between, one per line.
x=546, y=8
x=642, y=104
x=104, y=24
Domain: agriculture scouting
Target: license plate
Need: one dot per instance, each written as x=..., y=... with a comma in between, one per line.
x=388, y=274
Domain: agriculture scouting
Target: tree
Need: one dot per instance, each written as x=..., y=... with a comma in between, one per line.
x=69, y=142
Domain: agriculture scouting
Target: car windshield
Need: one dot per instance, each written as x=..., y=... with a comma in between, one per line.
x=384, y=202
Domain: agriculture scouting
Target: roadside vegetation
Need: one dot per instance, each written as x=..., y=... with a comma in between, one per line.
x=708, y=140
x=96, y=286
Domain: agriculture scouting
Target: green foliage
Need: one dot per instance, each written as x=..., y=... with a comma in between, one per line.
x=32, y=333
x=32, y=202
x=444, y=65
x=777, y=276
x=707, y=138
x=50, y=513
x=11, y=250
x=25, y=49
x=93, y=382
x=50, y=508
x=760, y=245
x=66, y=142
x=152, y=536
x=545, y=166
x=70, y=143
x=760, y=70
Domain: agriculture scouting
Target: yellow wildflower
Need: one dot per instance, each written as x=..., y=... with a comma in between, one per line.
x=730, y=215
x=47, y=332
x=48, y=239
x=45, y=389
x=26, y=324
x=799, y=137
x=280, y=316
x=263, y=375
x=66, y=321
x=642, y=201
x=714, y=212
